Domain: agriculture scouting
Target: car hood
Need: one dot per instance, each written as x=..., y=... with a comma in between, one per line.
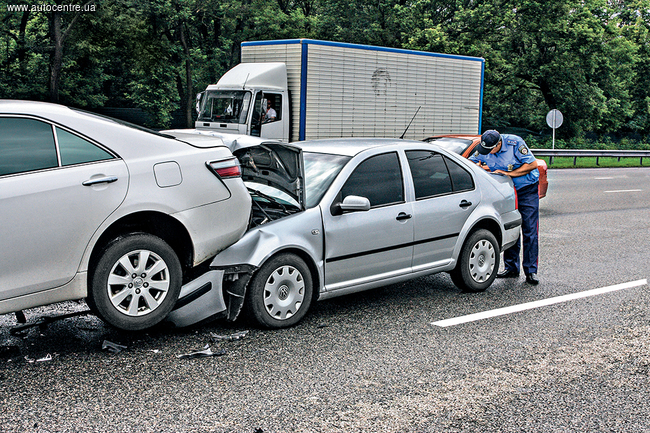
x=266, y=162
x=275, y=164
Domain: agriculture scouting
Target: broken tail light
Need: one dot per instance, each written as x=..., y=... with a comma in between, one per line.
x=225, y=169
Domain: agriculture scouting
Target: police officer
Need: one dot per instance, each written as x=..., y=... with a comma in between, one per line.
x=508, y=155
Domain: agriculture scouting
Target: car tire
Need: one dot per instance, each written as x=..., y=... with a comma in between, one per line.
x=478, y=262
x=280, y=292
x=136, y=282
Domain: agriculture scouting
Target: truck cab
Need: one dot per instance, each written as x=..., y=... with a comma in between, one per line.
x=250, y=99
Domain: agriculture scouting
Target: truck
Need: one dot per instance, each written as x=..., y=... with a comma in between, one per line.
x=302, y=89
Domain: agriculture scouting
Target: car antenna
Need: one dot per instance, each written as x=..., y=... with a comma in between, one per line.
x=246, y=81
x=407, y=128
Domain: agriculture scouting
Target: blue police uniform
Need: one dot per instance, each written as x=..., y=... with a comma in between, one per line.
x=513, y=154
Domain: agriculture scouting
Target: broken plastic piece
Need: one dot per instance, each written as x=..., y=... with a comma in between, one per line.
x=112, y=347
x=232, y=337
x=18, y=331
x=47, y=357
x=206, y=352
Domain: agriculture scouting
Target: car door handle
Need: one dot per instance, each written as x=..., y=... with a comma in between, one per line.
x=465, y=204
x=107, y=179
x=403, y=216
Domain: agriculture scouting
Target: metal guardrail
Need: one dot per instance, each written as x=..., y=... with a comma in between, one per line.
x=581, y=153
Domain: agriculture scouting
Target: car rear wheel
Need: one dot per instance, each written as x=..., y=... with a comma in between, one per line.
x=478, y=262
x=136, y=282
x=280, y=293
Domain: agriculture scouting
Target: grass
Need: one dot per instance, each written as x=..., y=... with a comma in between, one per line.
x=590, y=162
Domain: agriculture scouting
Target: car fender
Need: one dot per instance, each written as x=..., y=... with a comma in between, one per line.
x=302, y=231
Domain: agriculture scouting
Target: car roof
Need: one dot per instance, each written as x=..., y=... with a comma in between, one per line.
x=56, y=112
x=13, y=106
x=349, y=146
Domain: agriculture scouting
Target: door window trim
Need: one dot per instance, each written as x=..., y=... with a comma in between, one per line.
x=339, y=196
x=53, y=125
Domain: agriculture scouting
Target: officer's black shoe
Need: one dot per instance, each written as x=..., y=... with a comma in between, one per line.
x=532, y=279
x=508, y=274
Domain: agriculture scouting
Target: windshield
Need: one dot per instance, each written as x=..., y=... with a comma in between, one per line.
x=320, y=171
x=456, y=145
x=225, y=106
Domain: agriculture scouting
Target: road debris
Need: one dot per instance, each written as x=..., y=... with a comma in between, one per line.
x=232, y=337
x=42, y=322
x=112, y=347
x=205, y=353
x=46, y=358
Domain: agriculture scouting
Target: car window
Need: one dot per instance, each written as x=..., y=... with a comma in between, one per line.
x=26, y=145
x=76, y=150
x=430, y=174
x=379, y=179
x=273, y=101
x=460, y=178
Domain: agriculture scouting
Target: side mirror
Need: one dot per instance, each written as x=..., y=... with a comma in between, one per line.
x=199, y=98
x=354, y=203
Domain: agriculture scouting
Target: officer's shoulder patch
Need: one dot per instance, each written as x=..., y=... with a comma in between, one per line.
x=523, y=149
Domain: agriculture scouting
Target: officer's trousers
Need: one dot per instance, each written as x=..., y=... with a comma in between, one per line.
x=528, y=204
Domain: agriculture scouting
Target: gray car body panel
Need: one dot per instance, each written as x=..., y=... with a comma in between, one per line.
x=367, y=249
x=154, y=174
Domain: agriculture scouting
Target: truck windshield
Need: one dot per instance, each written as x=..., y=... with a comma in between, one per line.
x=225, y=106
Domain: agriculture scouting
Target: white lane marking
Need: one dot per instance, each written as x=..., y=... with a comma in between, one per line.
x=603, y=178
x=626, y=190
x=536, y=304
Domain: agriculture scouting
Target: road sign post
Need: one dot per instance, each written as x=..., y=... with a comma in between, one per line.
x=554, y=119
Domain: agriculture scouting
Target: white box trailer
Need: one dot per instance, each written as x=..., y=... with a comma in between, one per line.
x=322, y=89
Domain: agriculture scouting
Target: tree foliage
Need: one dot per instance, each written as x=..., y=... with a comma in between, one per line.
x=588, y=58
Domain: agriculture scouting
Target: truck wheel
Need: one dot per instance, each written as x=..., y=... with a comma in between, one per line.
x=136, y=282
x=280, y=293
x=478, y=262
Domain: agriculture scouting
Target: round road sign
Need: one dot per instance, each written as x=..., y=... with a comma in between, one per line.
x=554, y=118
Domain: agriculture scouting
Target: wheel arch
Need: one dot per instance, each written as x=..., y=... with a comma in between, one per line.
x=490, y=225
x=309, y=261
x=158, y=224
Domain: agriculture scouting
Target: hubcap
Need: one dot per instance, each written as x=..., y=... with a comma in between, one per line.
x=138, y=283
x=482, y=259
x=284, y=292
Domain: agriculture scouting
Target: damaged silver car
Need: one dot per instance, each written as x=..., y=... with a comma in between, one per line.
x=333, y=217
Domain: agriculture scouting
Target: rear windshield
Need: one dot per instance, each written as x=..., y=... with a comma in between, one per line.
x=122, y=122
x=456, y=145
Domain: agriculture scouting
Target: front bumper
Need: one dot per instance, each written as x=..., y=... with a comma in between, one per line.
x=201, y=300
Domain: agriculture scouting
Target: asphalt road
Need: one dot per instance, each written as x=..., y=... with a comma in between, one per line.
x=374, y=362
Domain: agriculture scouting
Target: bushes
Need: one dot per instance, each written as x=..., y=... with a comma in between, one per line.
x=604, y=143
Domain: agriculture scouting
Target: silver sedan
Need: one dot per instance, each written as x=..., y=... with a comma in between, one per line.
x=333, y=217
x=93, y=208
